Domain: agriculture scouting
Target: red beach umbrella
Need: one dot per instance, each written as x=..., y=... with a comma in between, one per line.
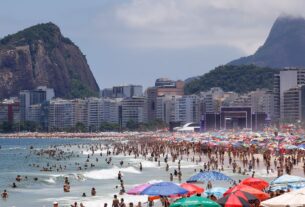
x=193, y=189
x=257, y=183
x=232, y=200
x=257, y=193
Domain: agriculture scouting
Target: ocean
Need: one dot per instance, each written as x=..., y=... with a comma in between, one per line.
x=17, y=158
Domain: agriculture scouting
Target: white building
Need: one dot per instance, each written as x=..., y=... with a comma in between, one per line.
x=34, y=113
x=110, y=110
x=164, y=107
x=294, y=105
x=283, y=81
x=134, y=109
x=61, y=114
x=186, y=109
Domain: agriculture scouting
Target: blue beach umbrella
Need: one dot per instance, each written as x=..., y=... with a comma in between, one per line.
x=208, y=176
x=163, y=189
x=275, y=188
x=296, y=186
x=216, y=191
x=301, y=146
x=284, y=179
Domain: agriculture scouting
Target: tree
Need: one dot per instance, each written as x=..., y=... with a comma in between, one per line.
x=131, y=125
x=107, y=127
x=80, y=127
x=6, y=126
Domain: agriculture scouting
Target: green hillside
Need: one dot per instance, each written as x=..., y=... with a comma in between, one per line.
x=240, y=79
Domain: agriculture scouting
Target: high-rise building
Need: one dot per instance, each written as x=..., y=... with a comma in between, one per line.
x=9, y=111
x=186, y=109
x=294, y=104
x=127, y=91
x=94, y=113
x=34, y=113
x=81, y=111
x=162, y=87
x=31, y=97
x=134, y=109
x=61, y=114
x=164, y=106
x=283, y=81
x=110, y=110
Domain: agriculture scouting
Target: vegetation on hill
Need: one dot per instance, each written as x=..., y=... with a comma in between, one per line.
x=41, y=55
x=240, y=79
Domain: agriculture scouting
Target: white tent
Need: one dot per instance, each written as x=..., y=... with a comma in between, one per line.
x=292, y=199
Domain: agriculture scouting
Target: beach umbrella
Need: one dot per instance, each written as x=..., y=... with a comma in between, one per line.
x=296, y=186
x=293, y=199
x=216, y=191
x=232, y=200
x=208, y=176
x=277, y=187
x=194, y=201
x=257, y=193
x=301, y=146
x=164, y=189
x=285, y=179
x=191, y=188
x=257, y=183
x=138, y=189
x=247, y=196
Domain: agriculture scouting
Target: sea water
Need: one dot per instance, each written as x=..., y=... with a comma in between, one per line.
x=15, y=159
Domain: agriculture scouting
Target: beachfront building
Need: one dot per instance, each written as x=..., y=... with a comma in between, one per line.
x=283, y=81
x=294, y=105
x=9, y=111
x=164, y=107
x=32, y=97
x=61, y=114
x=94, y=106
x=186, y=109
x=81, y=111
x=101, y=110
x=134, y=110
x=34, y=113
x=163, y=87
x=110, y=110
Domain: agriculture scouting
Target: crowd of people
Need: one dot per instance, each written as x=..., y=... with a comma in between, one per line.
x=241, y=160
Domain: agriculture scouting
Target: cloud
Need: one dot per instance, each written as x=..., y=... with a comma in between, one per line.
x=243, y=24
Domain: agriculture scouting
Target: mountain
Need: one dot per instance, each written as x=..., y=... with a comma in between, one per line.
x=284, y=47
x=240, y=79
x=41, y=55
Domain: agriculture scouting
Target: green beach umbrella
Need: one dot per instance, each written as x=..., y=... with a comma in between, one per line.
x=194, y=201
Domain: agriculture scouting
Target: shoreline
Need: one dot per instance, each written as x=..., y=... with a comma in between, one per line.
x=87, y=135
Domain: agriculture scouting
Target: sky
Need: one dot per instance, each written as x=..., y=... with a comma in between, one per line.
x=138, y=41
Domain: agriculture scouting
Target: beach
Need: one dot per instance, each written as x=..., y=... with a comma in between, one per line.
x=32, y=158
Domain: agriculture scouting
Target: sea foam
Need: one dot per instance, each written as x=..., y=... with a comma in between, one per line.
x=111, y=173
